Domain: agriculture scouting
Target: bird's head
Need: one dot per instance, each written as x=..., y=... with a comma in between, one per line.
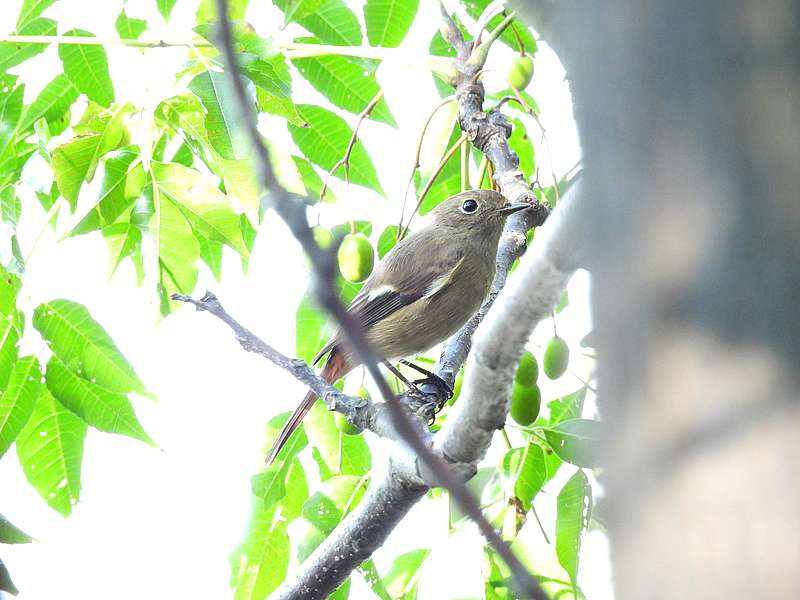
x=475, y=209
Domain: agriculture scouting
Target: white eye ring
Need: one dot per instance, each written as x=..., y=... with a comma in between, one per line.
x=469, y=206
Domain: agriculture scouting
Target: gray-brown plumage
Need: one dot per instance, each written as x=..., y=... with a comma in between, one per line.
x=423, y=290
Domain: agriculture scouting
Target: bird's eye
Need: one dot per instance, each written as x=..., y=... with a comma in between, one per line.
x=469, y=206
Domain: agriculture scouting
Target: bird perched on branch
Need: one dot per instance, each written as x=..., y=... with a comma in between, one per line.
x=422, y=291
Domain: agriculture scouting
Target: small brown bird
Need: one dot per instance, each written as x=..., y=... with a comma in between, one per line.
x=423, y=290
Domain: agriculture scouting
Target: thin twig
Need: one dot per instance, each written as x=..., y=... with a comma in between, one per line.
x=345, y=160
x=360, y=411
x=414, y=168
x=445, y=159
x=483, y=21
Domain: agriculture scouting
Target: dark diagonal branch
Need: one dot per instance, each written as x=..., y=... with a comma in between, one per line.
x=293, y=213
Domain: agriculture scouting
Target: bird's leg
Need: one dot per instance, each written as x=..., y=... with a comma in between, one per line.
x=430, y=377
x=402, y=378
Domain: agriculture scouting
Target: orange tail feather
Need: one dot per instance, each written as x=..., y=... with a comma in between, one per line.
x=334, y=368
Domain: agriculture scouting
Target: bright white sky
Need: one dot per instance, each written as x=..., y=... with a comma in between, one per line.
x=161, y=523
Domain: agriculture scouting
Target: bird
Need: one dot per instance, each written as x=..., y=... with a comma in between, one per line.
x=422, y=291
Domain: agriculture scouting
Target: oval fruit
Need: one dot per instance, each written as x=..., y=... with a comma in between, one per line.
x=521, y=72
x=525, y=403
x=356, y=257
x=528, y=369
x=345, y=426
x=556, y=358
x=323, y=236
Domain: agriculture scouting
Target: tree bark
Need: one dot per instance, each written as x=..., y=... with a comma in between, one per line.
x=688, y=116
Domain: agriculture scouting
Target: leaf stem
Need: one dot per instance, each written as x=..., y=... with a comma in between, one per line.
x=51, y=214
x=445, y=159
x=414, y=168
x=345, y=160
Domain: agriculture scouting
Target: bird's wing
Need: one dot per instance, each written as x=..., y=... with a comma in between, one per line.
x=402, y=278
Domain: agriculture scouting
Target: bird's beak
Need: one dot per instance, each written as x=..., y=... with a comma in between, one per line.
x=512, y=208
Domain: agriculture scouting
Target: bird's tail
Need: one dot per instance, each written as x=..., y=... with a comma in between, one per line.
x=334, y=368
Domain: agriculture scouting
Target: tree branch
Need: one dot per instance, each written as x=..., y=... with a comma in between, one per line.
x=359, y=411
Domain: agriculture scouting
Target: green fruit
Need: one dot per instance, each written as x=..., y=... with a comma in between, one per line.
x=459, y=380
x=556, y=358
x=323, y=236
x=356, y=257
x=521, y=72
x=525, y=403
x=345, y=426
x=528, y=370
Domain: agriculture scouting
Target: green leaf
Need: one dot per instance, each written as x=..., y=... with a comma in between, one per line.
x=567, y=407
x=129, y=28
x=185, y=114
x=30, y=10
x=123, y=181
x=373, y=579
x=341, y=454
x=176, y=247
x=574, y=507
x=17, y=399
x=10, y=208
x=312, y=182
x=524, y=473
x=102, y=409
x=325, y=141
x=76, y=161
x=273, y=85
x=330, y=21
x=345, y=83
x=10, y=332
x=124, y=240
x=521, y=145
x=165, y=7
x=241, y=185
x=387, y=241
x=388, y=21
x=298, y=9
x=50, y=450
x=200, y=201
x=71, y=162
x=322, y=513
x=401, y=579
x=10, y=285
x=12, y=54
x=508, y=37
x=207, y=11
x=576, y=441
x=10, y=534
x=87, y=68
x=6, y=584
x=214, y=92
x=312, y=329
x=293, y=446
x=10, y=111
x=85, y=347
x=280, y=492
x=448, y=181
x=259, y=564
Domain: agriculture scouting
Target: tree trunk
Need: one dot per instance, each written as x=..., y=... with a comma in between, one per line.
x=688, y=113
